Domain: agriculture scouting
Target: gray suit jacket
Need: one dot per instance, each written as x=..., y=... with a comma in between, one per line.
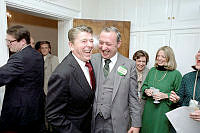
x=50, y=64
x=125, y=102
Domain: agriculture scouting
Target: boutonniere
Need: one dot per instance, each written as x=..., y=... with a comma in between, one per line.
x=122, y=70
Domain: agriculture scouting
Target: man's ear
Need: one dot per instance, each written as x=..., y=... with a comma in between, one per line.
x=71, y=45
x=119, y=44
x=23, y=41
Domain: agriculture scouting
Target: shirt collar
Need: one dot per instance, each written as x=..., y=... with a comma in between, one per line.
x=113, y=59
x=24, y=47
x=80, y=62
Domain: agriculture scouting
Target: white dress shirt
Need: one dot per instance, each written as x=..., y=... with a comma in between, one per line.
x=112, y=63
x=84, y=68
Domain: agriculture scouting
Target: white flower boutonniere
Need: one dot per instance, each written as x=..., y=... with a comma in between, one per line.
x=122, y=70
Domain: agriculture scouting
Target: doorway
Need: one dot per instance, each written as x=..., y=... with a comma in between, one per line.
x=40, y=8
x=41, y=29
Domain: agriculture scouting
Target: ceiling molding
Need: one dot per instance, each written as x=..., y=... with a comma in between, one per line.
x=44, y=9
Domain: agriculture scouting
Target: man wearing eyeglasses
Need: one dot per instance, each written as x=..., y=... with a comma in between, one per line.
x=23, y=75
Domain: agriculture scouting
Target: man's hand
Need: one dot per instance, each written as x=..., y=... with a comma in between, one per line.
x=134, y=130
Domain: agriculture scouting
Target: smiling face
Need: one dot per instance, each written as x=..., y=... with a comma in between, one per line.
x=141, y=63
x=108, y=44
x=161, y=58
x=82, y=46
x=44, y=49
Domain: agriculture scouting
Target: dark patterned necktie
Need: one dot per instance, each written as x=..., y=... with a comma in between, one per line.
x=106, y=68
x=91, y=72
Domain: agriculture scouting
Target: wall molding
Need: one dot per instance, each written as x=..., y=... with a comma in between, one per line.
x=44, y=9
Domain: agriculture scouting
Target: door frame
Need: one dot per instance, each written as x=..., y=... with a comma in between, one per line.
x=40, y=8
x=43, y=8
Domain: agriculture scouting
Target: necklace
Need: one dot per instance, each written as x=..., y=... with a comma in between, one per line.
x=155, y=77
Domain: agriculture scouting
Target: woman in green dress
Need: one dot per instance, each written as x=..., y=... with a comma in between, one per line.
x=164, y=78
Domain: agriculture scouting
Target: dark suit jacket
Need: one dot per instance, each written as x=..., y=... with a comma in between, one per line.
x=23, y=105
x=69, y=98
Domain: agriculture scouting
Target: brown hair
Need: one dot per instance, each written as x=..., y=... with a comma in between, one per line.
x=141, y=53
x=19, y=32
x=72, y=34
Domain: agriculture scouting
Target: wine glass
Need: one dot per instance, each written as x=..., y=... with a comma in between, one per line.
x=155, y=91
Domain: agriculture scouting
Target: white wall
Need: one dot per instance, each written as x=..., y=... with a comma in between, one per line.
x=89, y=9
x=155, y=24
x=72, y=4
x=3, y=47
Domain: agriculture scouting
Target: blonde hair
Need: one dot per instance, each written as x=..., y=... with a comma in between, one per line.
x=170, y=57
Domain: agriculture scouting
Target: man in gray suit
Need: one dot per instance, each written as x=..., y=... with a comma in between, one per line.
x=116, y=97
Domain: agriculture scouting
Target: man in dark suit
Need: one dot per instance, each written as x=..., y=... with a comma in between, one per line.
x=71, y=86
x=23, y=75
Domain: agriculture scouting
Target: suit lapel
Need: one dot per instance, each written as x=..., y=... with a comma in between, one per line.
x=79, y=76
x=98, y=72
x=118, y=78
x=46, y=61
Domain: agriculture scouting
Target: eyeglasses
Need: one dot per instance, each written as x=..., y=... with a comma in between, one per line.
x=9, y=41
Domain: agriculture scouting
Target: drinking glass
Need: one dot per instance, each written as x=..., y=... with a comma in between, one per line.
x=155, y=91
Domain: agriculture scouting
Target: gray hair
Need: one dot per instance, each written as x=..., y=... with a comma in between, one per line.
x=72, y=34
x=113, y=29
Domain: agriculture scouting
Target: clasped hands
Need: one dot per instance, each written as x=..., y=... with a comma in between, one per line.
x=157, y=96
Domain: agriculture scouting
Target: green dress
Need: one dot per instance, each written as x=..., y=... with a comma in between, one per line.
x=154, y=119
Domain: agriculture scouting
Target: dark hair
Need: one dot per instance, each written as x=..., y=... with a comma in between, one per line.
x=37, y=45
x=45, y=42
x=72, y=34
x=141, y=53
x=19, y=32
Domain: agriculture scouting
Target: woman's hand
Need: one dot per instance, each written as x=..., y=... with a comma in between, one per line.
x=174, y=97
x=195, y=115
x=160, y=96
x=149, y=92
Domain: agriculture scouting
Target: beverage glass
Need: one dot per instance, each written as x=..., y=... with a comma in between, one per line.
x=194, y=104
x=155, y=91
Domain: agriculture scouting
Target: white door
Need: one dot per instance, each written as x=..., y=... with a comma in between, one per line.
x=186, y=14
x=185, y=44
x=150, y=42
x=156, y=14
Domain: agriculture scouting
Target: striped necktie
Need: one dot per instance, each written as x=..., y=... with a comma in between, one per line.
x=106, y=68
